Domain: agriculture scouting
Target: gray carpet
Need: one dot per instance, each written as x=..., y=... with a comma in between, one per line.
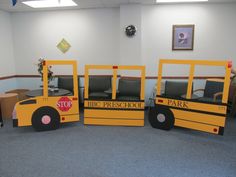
x=76, y=150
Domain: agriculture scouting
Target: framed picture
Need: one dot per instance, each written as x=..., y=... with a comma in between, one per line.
x=183, y=37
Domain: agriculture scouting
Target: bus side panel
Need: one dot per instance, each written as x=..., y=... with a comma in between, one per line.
x=196, y=115
x=53, y=102
x=112, y=112
x=115, y=122
x=114, y=117
x=117, y=114
x=69, y=118
x=24, y=114
x=197, y=126
x=192, y=105
x=199, y=117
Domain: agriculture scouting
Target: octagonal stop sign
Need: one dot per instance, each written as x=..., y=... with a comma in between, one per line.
x=64, y=104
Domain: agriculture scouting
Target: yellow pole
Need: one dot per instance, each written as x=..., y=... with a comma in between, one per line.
x=45, y=79
x=75, y=80
x=142, y=94
x=86, y=84
x=159, y=78
x=114, y=84
x=190, y=82
x=226, y=84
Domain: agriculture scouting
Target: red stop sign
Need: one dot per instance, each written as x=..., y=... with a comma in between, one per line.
x=64, y=104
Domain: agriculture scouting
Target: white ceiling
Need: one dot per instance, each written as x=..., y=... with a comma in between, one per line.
x=6, y=5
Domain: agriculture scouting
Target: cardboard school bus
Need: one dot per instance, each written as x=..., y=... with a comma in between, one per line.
x=188, y=112
x=112, y=110
x=48, y=112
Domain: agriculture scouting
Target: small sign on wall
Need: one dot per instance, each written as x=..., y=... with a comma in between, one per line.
x=63, y=46
x=183, y=37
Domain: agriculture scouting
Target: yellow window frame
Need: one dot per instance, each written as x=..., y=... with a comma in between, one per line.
x=193, y=63
x=48, y=63
x=114, y=69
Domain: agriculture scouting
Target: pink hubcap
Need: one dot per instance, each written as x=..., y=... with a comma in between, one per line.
x=46, y=119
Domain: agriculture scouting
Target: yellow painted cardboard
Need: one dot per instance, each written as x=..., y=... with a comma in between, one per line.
x=194, y=114
x=114, y=112
x=24, y=112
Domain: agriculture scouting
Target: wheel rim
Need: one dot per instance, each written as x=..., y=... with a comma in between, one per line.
x=161, y=118
x=46, y=120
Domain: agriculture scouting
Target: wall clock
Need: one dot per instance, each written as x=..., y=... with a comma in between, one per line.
x=130, y=30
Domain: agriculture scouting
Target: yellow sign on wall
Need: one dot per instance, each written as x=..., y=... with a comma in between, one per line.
x=63, y=46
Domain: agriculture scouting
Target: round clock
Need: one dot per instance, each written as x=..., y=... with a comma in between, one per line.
x=130, y=30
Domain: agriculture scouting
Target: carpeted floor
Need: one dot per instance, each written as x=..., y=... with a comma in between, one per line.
x=76, y=150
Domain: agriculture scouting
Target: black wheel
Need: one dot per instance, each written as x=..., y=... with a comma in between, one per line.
x=45, y=118
x=161, y=117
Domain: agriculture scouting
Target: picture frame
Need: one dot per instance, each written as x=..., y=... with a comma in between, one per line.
x=183, y=37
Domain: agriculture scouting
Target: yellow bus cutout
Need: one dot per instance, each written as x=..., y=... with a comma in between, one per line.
x=108, y=104
x=187, y=111
x=48, y=112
